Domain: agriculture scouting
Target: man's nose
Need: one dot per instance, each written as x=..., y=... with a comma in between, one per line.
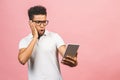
x=42, y=26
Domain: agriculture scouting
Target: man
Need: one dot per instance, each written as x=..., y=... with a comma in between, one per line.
x=40, y=48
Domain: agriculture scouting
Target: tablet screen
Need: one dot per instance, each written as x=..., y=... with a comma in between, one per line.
x=71, y=50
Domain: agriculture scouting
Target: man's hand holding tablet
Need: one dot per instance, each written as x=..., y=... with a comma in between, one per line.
x=70, y=56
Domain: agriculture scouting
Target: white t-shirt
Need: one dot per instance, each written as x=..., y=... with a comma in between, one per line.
x=43, y=63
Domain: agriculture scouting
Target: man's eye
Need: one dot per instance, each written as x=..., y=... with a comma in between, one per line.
x=36, y=21
x=40, y=21
x=43, y=21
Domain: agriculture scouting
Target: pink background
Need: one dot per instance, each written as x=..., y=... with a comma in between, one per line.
x=94, y=24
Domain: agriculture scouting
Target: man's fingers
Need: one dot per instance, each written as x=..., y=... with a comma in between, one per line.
x=68, y=60
x=76, y=54
x=69, y=63
x=32, y=26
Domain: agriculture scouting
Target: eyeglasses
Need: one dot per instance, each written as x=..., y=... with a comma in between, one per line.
x=41, y=22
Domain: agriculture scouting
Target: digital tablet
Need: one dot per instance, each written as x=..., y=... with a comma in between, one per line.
x=71, y=50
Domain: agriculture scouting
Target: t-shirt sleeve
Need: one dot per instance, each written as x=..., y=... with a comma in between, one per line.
x=59, y=41
x=23, y=43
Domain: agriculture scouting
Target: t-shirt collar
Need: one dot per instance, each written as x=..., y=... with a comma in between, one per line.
x=45, y=33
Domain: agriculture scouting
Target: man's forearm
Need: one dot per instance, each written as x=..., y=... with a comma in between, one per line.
x=25, y=54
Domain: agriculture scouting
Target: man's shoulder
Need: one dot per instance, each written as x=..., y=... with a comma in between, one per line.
x=26, y=38
x=51, y=33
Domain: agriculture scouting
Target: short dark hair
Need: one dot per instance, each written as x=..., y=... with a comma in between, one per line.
x=36, y=10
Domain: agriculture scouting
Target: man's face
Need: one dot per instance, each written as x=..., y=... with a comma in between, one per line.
x=40, y=23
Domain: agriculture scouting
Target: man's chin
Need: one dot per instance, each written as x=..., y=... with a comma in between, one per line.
x=40, y=34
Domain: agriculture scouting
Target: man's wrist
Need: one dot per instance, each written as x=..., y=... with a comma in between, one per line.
x=35, y=38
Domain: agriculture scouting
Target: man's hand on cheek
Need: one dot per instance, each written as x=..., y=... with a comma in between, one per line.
x=33, y=29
